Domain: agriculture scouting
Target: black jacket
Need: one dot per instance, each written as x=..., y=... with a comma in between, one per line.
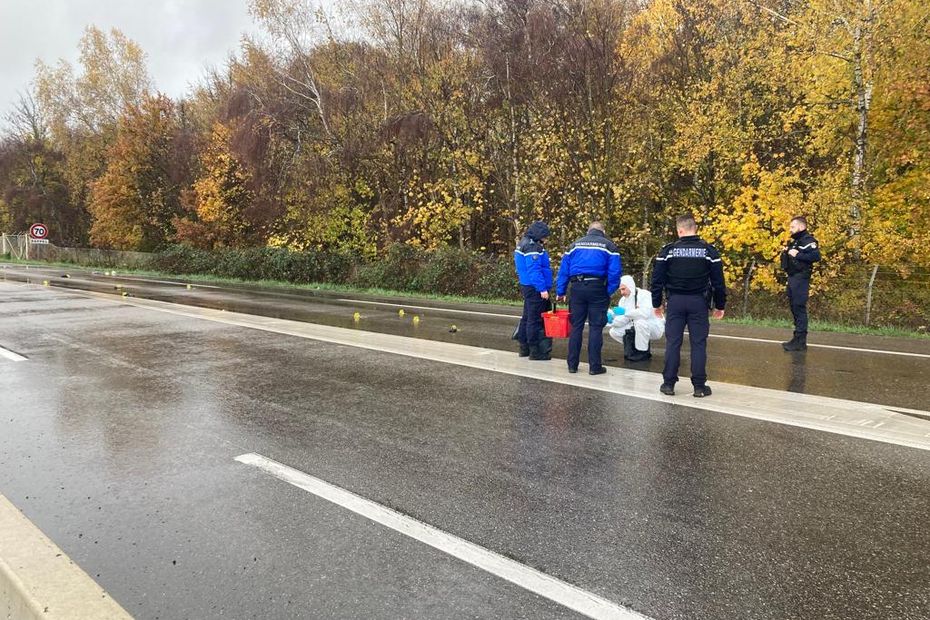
x=808, y=254
x=689, y=266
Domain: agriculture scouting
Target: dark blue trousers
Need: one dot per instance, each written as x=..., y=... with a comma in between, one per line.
x=588, y=302
x=530, y=329
x=690, y=310
x=799, y=287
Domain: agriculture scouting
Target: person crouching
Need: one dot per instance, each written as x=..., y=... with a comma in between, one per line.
x=638, y=324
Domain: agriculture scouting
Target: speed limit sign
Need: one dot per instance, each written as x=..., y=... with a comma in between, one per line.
x=38, y=231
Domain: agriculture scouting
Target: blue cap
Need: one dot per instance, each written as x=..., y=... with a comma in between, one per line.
x=537, y=231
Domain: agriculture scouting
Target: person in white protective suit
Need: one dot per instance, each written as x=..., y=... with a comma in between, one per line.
x=635, y=323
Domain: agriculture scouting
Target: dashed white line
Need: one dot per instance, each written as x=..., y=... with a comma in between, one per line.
x=11, y=355
x=429, y=308
x=722, y=336
x=547, y=586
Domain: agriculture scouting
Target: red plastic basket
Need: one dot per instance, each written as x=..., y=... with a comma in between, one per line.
x=557, y=324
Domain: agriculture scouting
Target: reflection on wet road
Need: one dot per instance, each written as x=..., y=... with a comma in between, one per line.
x=119, y=434
x=843, y=372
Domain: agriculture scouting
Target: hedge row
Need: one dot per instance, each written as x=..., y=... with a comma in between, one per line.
x=448, y=271
x=451, y=271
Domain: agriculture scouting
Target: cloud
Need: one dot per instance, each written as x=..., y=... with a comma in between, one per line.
x=180, y=37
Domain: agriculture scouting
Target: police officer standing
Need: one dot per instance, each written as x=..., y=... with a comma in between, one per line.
x=535, y=275
x=688, y=271
x=798, y=259
x=592, y=266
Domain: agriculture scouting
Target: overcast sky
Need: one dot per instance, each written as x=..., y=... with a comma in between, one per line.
x=180, y=37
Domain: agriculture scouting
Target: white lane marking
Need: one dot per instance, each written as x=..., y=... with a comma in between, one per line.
x=168, y=282
x=827, y=346
x=321, y=299
x=430, y=308
x=517, y=317
x=832, y=415
x=10, y=355
x=547, y=586
x=723, y=336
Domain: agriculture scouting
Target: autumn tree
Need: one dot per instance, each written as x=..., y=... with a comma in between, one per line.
x=135, y=201
x=33, y=187
x=82, y=108
x=219, y=199
x=443, y=123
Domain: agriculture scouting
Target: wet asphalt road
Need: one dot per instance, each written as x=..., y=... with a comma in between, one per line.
x=845, y=372
x=117, y=438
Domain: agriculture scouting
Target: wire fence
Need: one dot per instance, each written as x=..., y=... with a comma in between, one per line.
x=21, y=247
x=14, y=246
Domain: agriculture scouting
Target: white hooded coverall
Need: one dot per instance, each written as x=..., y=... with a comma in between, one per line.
x=638, y=315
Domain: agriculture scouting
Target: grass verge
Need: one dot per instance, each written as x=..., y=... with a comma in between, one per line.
x=310, y=286
x=821, y=326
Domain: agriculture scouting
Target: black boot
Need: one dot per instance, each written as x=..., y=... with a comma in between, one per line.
x=702, y=391
x=798, y=343
x=538, y=353
x=545, y=347
x=790, y=343
x=639, y=356
x=629, y=343
x=524, y=350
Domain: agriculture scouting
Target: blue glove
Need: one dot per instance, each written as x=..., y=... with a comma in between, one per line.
x=620, y=310
x=610, y=316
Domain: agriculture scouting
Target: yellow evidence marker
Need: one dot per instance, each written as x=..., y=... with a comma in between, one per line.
x=357, y=317
x=416, y=321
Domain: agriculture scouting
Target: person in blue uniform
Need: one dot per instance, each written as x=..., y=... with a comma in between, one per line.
x=593, y=268
x=798, y=260
x=690, y=273
x=535, y=274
